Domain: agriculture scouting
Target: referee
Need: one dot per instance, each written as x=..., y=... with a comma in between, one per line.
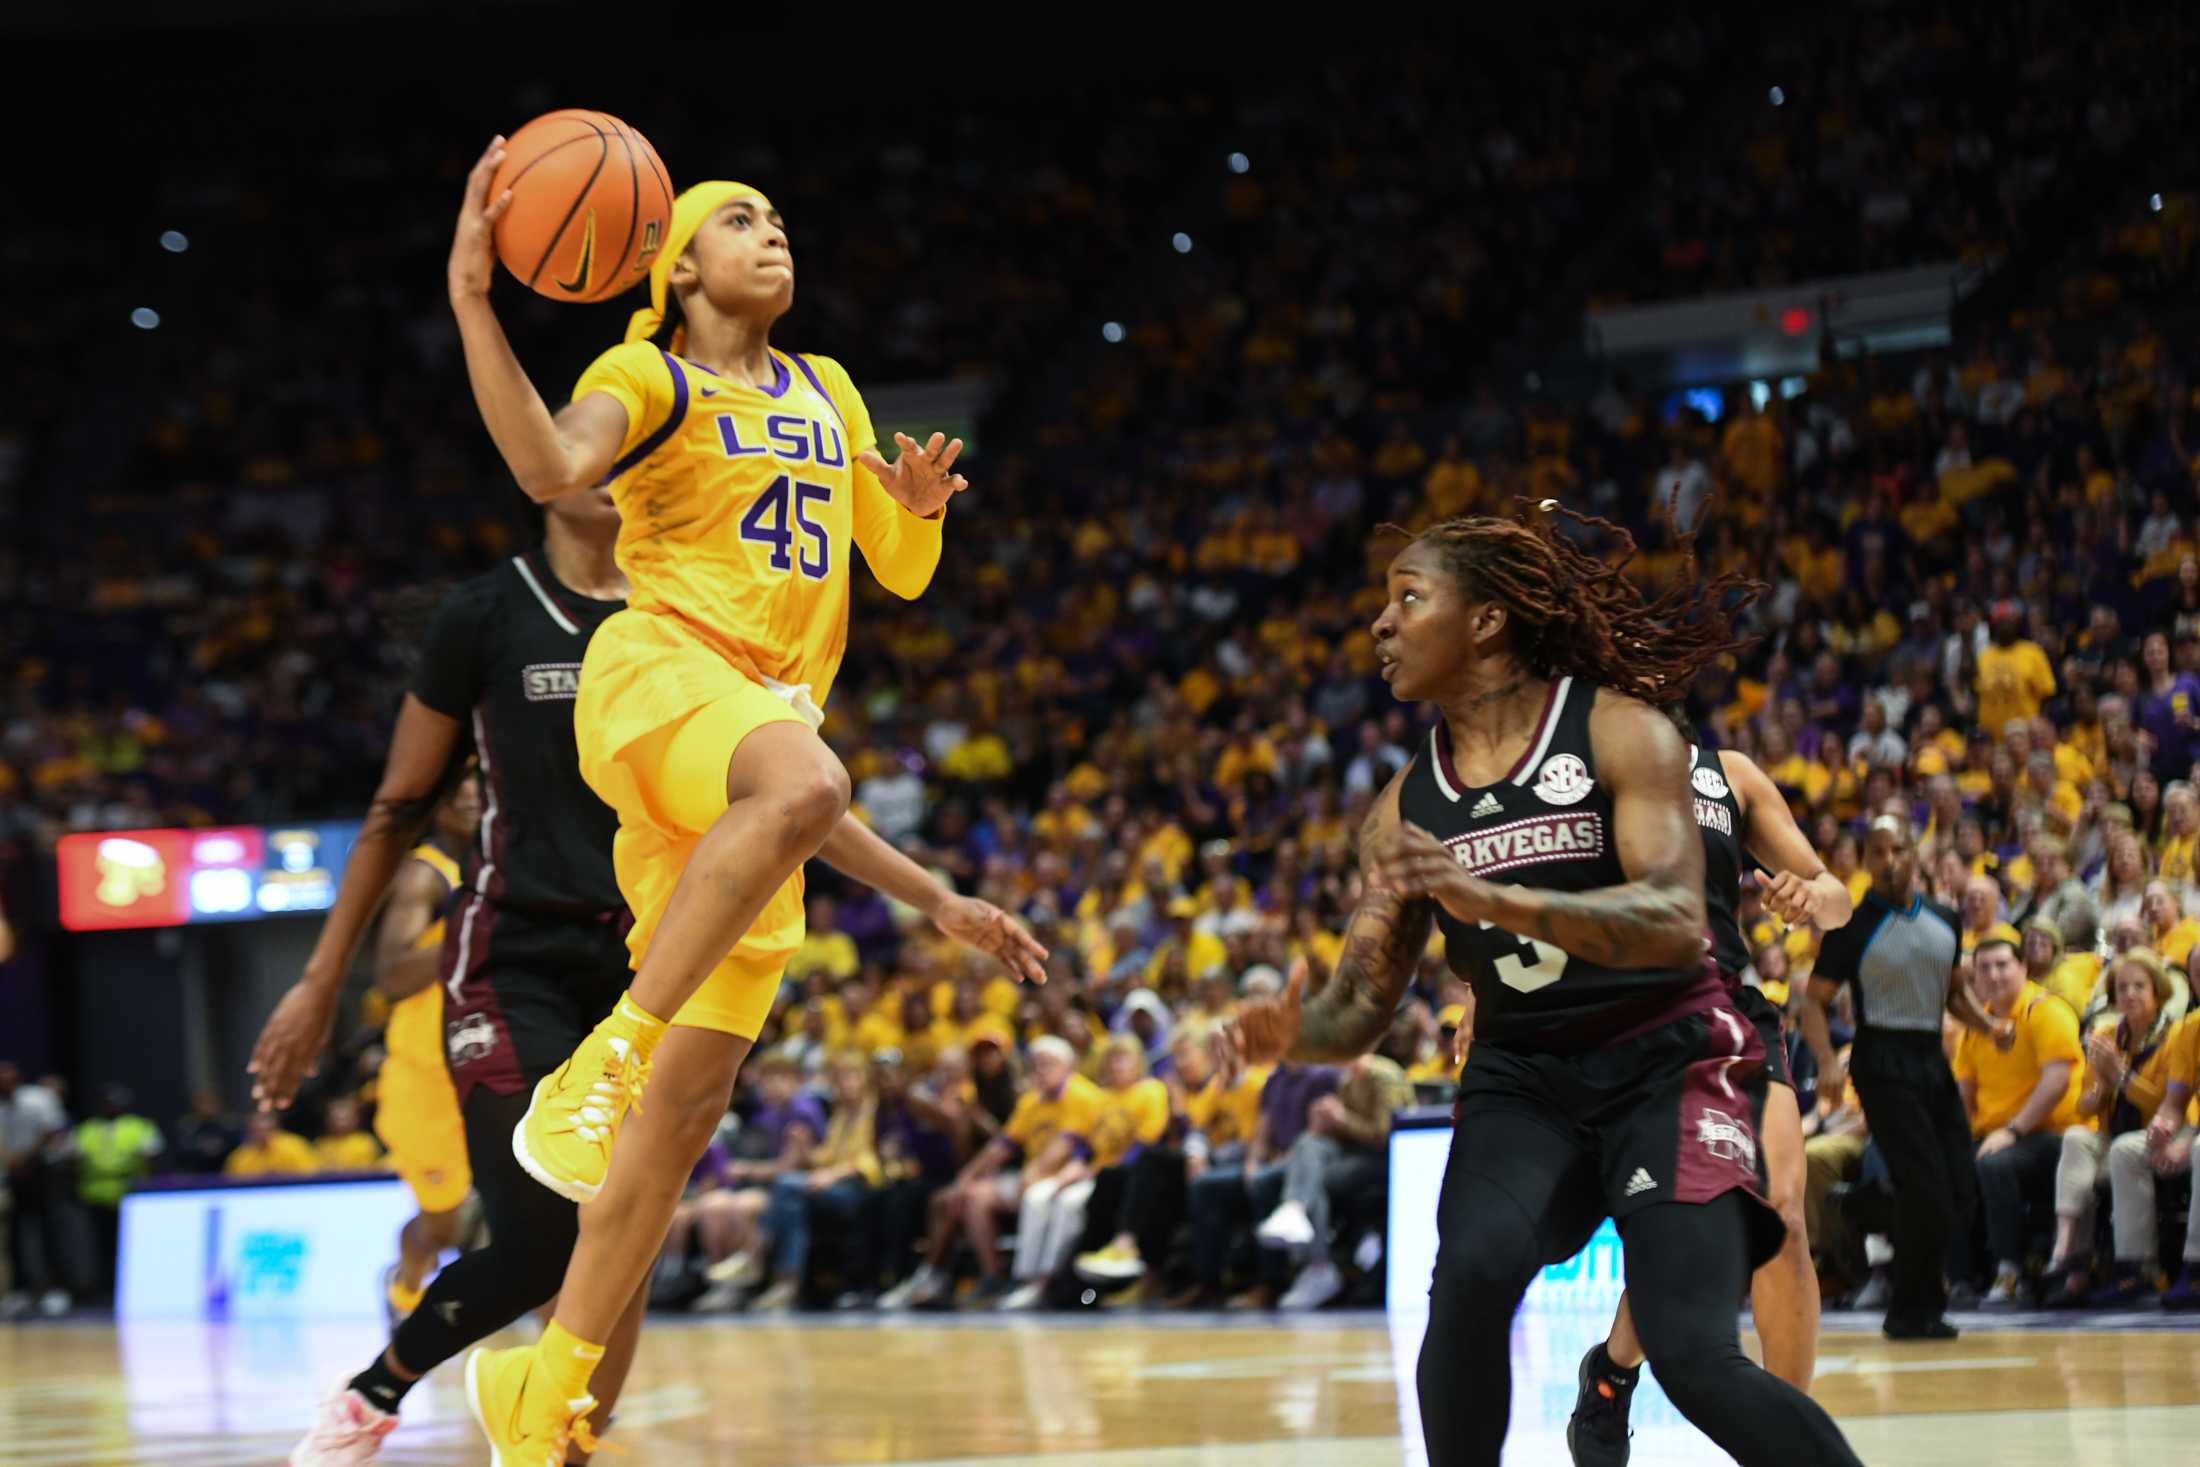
x=1900, y=951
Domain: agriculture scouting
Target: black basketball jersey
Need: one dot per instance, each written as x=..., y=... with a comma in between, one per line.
x=1547, y=824
x=503, y=657
x=1719, y=817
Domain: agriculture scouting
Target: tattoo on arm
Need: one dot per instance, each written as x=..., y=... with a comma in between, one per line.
x=1654, y=921
x=1345, y=1017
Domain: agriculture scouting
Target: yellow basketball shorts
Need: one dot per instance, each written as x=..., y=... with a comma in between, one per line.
x=659, y=715
x=416, y=1115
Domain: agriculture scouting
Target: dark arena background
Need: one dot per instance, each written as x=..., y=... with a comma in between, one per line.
x=1888, y=310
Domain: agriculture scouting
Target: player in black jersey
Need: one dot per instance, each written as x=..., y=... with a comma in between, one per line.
x=1611, y=1074
x=1741, y=818
x=534, y=951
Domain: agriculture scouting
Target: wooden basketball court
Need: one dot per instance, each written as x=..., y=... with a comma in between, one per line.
x=1113, y=1390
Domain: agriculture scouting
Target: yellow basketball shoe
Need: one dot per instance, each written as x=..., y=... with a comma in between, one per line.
x=525, y=1428
x=564, y=1140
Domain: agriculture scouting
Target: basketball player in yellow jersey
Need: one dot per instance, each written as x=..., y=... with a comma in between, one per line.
x=746, y=480
x=416, y=1112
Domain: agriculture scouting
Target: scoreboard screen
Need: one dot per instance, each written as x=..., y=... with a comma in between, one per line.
x=173, y=878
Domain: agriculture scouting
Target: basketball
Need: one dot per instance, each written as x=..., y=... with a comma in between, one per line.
x=590, y=204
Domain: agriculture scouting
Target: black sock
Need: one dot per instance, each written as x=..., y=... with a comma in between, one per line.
x=382, y=1387
x=1621, y=1377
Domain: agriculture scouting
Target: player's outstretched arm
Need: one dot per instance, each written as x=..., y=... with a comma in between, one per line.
x=420, y=752
x=862, y=854
x=1800, y=888
x=1654, y=919
x=1346, y=1015
x=401, y=967
x=548, y=456
x=1811, y=1018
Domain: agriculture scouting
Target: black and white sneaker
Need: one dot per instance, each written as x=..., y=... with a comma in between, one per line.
x=1598, y=1433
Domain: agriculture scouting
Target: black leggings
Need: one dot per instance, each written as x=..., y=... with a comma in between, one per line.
x=1518, y=1192
x=531, y=1235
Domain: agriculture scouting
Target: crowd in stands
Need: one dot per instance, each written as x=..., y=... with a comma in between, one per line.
x=1882, y=137
x=67, y=1178
x=1139, y=707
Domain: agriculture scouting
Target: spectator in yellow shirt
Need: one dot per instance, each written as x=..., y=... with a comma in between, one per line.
x=342, y=1146
x=1216, y=1120
x=876, y=1018
x=270, y=1151
x=2014, y=677
x=825, y=948
x=2071, y=764
x=1132, y=1113
x=1981, y=912
x=1749, y=450
x=2057, y=799
x=2169, y=931
x=2128, y=1069
x=2180, y=827
x=1201, y=952
x=1441, y=1063
x=1453, y=483
x=2020, y=1100
x=1046, y=1133
x=2046, y=964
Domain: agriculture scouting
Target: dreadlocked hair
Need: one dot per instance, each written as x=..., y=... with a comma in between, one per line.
x=1578, y=615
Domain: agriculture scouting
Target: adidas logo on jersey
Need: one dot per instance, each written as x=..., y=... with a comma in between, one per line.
x=1640, y=1183
x=1485, y=807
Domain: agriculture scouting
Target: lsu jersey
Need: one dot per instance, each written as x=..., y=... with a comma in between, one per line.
x=413, y=1038
x=742, y=507
x=417, y=1113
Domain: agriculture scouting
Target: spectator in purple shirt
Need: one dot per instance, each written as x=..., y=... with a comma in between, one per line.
x=783, y=1112
x=1226, y=1201
x=704, y=1217
x=1831, y=701
x=2168, y=709
x=777, y=1140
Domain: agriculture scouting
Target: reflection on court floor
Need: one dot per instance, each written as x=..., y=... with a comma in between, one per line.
x=1113, y=1390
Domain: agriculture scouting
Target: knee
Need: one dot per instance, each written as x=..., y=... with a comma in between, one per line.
x=810, y=801
x=2128, y=1160
x=1997, y=1170
x=1478, y=1279
x=1694, y=1372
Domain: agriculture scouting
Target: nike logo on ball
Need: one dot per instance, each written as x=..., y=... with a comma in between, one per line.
x=579, y=282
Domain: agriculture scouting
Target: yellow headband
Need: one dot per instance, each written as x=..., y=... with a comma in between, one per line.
x=688, y=213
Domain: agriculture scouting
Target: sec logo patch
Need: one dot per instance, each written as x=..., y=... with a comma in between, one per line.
x=1709, y=782
x=1563, y=780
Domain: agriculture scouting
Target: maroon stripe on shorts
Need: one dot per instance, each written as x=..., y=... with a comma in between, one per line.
x=1717, y=1140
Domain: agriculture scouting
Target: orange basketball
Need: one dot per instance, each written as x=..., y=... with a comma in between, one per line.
x=590, y=205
